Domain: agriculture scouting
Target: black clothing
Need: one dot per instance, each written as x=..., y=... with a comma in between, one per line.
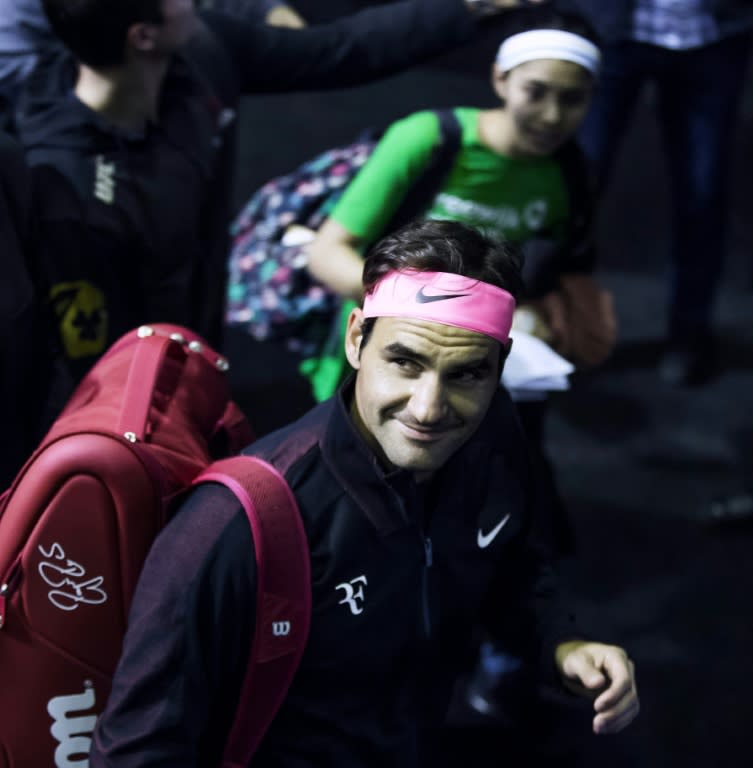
x=399, y=577
x=548, y=258
x=134, y=224
x=23, y=352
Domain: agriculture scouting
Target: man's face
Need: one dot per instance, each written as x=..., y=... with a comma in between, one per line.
x=422, y=388
x=179, y=24
x=546, y=100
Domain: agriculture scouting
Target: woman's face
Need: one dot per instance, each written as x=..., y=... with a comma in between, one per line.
x=545, y=100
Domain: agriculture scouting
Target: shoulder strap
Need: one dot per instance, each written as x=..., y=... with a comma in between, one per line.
x=427, y=185
x=283, y=597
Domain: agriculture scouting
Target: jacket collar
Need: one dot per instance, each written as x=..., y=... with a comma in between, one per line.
x=354, y=464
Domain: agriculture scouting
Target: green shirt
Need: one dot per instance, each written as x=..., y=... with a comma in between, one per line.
x=515, y=198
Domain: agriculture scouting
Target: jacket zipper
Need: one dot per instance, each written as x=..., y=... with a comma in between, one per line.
x=428, y=561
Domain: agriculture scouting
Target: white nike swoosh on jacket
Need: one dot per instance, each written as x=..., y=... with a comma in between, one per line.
x=484, y=540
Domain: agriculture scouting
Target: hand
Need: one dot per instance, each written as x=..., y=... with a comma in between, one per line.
x=605, y=671
x=553, y=326
x=513, y=3
x=489, y=7
x=581, y=317
x=592, y=319
x=284, y=16
x=526, y=319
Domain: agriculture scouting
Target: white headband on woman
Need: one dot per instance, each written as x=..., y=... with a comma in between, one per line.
x=548, y=44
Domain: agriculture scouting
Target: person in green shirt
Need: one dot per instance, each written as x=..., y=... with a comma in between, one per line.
x=518, y=175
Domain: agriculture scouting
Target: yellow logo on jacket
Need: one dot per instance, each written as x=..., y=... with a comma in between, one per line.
x=82, y=318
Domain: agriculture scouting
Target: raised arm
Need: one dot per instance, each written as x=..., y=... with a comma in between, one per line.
x=367, y=206
x=351, y=50
x=335, y=259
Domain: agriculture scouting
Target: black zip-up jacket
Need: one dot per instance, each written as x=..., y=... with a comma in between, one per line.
x=134, y=224
x=377, y=672
x=29, y=374
x=18, y=311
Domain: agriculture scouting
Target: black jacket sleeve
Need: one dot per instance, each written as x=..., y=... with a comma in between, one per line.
x=22, y=348
x=178, y=682
x=360, y=47
x=537, y=616
x=525, y=610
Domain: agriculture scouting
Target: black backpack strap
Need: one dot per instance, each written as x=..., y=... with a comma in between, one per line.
x=425, y=188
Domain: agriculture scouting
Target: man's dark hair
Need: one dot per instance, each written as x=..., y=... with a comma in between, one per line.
x=95, y=30
x=443, y=246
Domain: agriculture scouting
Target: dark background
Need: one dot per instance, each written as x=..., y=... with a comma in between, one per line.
x=638, y=462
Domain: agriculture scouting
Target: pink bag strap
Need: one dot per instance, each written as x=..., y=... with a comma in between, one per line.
x=283, y=597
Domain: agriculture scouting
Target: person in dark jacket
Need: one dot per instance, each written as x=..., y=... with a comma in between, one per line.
x=25, y=350
x=17, y=307
x=416, y=498
x=26, y=37
x=695, y=54
x=137, y=125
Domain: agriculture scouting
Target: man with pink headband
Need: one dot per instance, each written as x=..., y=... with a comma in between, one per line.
x=415, y=492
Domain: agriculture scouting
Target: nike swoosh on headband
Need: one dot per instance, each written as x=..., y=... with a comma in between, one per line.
x=422, y=298
x=484, y=540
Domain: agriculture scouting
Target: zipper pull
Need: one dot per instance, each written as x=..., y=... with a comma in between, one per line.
x=429, y=552
x=3, y=596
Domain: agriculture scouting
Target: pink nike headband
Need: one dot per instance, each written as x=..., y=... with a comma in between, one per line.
x=443, y=297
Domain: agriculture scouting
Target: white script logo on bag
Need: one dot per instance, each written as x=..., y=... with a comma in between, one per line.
x=72, y=730
x=70, y=587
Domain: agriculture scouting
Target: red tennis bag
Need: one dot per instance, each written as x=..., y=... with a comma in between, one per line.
x=79, y=519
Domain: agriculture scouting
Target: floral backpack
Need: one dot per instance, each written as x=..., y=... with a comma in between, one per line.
x=270, y=291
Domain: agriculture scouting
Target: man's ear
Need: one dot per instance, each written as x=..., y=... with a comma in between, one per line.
x=353, y=336
x=142, y=37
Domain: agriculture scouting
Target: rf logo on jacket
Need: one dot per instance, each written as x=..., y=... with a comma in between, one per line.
x=354, y=596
